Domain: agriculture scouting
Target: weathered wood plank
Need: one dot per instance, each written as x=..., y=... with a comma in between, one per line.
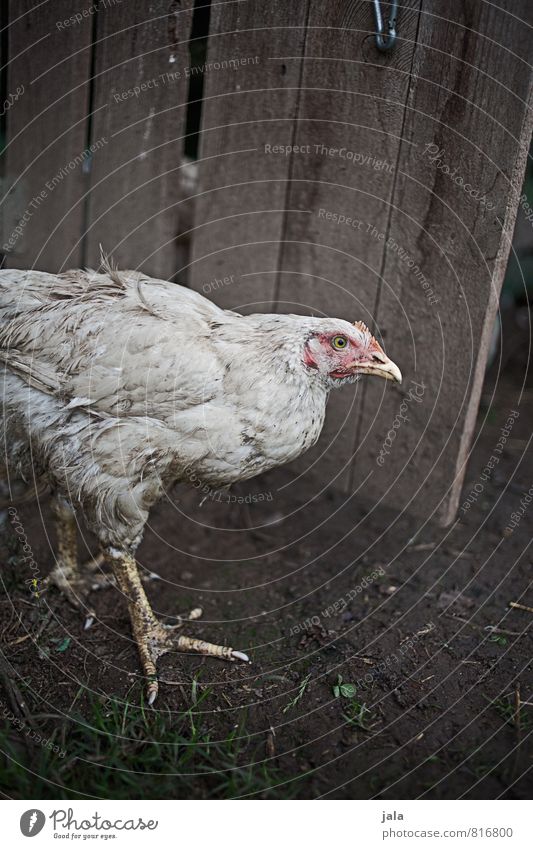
x=466, y=136
x=251, y=100
x=45, y=159
x=140, y=96
x=350, y=120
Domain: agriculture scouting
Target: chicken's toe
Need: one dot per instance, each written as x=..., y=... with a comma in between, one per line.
x=165, y=638
x=76, y=588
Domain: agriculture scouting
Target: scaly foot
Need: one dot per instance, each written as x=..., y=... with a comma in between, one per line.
x=161, y=639
x=152, y=638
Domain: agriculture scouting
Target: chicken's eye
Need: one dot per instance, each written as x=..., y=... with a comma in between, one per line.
x=339, y=342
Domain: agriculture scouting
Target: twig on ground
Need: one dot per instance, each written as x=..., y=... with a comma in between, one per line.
x=35, y=636
x=519, y=606
x=517, y=708
x=492, y=628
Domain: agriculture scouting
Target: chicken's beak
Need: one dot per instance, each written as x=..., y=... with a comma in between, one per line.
x=376, y=362
x=382, y=367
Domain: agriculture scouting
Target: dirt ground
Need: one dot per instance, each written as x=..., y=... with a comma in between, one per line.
x=383, y=666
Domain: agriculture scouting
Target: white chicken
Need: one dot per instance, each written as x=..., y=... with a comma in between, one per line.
x=116, y=386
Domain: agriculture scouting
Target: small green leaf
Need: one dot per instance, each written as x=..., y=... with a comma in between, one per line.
x=63, y=645
x=347, y=691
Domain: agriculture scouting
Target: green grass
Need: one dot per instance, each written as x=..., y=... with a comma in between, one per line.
x=358, y=715
x=302, y=687
x=117, y=750
x=506, y=710
x=355, y=713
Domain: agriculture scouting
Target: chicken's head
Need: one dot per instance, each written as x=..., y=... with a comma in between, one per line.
x=346, y=351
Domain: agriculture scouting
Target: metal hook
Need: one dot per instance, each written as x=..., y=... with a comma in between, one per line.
x=385, y=41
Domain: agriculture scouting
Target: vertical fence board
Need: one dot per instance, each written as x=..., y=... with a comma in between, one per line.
x=349, y=127
x=453, y=215
x=140, y=99
x=46, y=134
x=248, y=103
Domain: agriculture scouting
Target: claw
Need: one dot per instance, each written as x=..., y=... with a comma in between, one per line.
x=151, y=692
x=146, y=577
x=103, y=583
x=89, y=621
x=240, y=655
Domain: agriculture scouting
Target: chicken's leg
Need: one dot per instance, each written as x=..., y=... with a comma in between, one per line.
x=153, y=638
x=74, y=582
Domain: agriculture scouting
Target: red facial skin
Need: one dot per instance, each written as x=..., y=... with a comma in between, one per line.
x=341, y=363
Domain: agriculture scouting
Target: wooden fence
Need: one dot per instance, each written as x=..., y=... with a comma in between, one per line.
x=330, y=179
